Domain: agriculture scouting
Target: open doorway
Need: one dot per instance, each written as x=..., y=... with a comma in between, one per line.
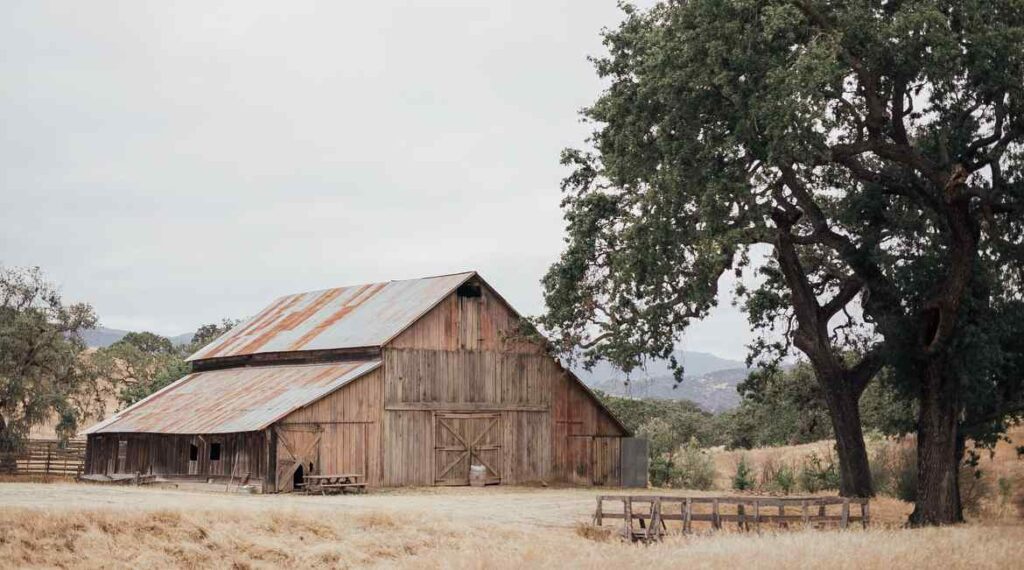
x=299, y=478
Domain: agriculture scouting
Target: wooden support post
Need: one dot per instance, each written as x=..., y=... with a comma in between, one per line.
x=49, y=450
x=654, y=526
x=845, y=520
x=741, y=517
x=803, y=511
x=864, y=513
x=627, y=508
x=716, y=522
x=598, y=514
x=757, y=516
x=688, y=515
x=782, y=513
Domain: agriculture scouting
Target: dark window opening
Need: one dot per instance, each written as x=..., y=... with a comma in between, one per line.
x=469, y=290
x=214, y=452
x=299, y=479
x=193, y=452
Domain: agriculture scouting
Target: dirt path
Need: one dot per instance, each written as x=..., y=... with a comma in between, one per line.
x=511, y=506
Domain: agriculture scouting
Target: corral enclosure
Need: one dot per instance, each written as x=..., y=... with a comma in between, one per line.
x=402, y=383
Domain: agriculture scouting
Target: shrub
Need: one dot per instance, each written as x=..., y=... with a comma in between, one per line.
x=884, y=465
x=743, y=480
x=819, y=473
x=660, y=471
x=694, y=468
x=777, y=476
x=905, y=486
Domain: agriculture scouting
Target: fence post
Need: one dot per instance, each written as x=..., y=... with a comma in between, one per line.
x=627, y=506
x=757, y=516
x=598, y=515
x=803, y=511
x=845, y=520
x=49, y=450
x=864, y=513
x=688, y=515
x=716, y=521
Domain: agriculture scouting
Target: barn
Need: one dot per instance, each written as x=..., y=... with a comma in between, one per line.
x=404, y=383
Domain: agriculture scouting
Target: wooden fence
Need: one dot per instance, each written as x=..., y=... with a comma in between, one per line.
x=653, y=514
x=47, y=458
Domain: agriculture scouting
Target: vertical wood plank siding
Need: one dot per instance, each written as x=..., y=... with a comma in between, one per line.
x=168, y=455
x=350, y=424
x=460, y=356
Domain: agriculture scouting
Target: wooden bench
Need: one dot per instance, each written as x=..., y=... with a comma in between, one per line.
x=341, y=483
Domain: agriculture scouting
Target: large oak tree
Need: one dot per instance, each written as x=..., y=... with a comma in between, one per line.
x=874, y=147
x=44, y=371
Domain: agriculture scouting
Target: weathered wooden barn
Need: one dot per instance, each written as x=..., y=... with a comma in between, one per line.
x=405, y=383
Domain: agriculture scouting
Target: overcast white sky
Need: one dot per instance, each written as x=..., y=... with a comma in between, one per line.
x=178, y=162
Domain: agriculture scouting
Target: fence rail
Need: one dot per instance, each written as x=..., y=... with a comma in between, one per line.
x=45, y=457
x=652, y=514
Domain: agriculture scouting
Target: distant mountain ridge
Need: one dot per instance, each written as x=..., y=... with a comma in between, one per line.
x=102, y=337
x=709, y=381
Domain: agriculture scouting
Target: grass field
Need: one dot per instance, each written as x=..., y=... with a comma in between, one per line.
x=67, y=525
x=71, y=526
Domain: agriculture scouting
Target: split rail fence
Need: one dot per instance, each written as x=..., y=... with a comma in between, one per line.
x=646, y=518
x=47, y=458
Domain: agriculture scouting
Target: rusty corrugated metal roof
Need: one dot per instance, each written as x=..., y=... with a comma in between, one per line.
x=348, y=317
x=233, y=399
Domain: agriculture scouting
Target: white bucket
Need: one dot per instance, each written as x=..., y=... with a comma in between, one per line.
x=477, y=475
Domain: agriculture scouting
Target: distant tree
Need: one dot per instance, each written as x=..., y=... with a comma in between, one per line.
x=681, y=420
x=142, y=363
x=787, y=407
x=43, y=371
x=206, y=334
x=877, y=149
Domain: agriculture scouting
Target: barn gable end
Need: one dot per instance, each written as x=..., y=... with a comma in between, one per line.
x=461, y=368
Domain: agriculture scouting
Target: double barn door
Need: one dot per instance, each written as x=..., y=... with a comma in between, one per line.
x=463, y=440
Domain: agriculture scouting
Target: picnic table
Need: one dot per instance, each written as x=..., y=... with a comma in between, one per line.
x=342, y=483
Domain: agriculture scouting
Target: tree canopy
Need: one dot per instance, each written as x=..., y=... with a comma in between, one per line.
x=43, y=371
x=143, y=362
x=874, y=147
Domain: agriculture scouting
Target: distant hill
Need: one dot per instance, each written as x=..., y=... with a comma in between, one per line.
x=101, y=337
x=710, y=381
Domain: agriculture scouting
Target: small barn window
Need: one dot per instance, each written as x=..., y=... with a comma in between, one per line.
x=469, y=290
x=193, y=452
x=214, y=452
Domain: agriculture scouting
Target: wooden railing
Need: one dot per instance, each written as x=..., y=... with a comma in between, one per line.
x=47, y=458
x=652, y=515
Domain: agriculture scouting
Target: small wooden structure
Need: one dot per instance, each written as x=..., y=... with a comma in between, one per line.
x=646, y=518
x=403, y=383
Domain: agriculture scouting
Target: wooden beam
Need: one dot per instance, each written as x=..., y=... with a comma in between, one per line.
x=463, y=407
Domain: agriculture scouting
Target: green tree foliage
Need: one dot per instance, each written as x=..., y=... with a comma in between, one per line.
x=43, y=372
x=682, y=420
x=877, y=150
x=743, y=479
x=786, y=406
x=142, y=363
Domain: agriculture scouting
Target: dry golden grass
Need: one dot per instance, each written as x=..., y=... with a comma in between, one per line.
x=294, y=539
x=88, y=526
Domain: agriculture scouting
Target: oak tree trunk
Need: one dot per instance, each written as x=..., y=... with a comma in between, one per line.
x=939, y=450
x=854, y=469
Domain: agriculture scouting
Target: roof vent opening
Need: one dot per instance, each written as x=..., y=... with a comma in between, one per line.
x=469, y=291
